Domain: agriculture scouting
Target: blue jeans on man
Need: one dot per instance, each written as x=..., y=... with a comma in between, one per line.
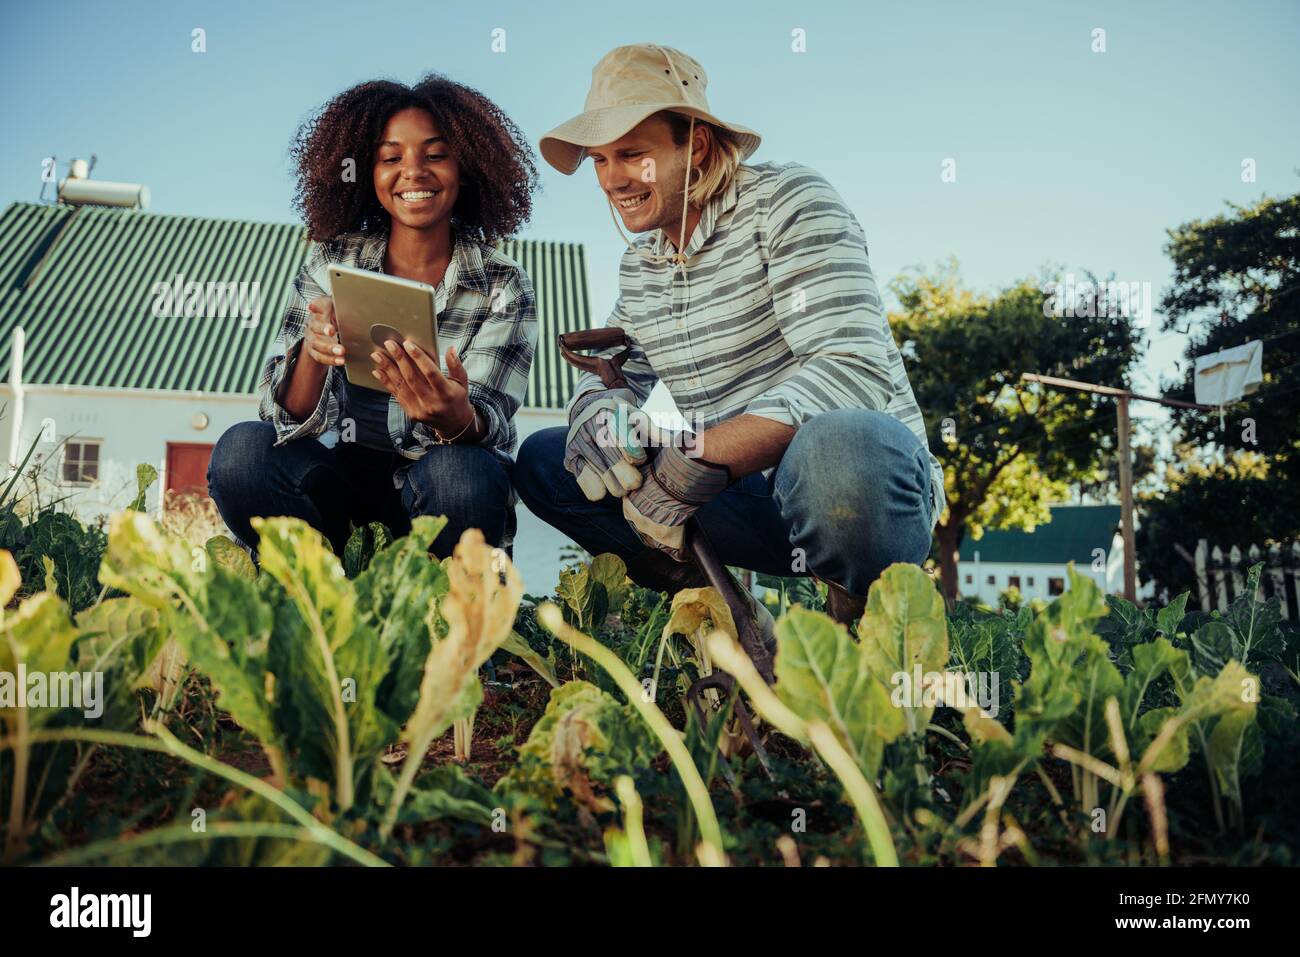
x=850, y=496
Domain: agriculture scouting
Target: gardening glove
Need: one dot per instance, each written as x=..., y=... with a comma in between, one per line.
x=672, y=489
x=606, y=442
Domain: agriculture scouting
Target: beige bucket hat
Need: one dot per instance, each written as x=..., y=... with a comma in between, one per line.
x=629, y=84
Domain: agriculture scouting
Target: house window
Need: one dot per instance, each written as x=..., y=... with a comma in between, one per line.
x=1031, y=581
x=81, y=462
x=993, y=580
x=1013, y=581
x=969, y=579
x=1055, y=586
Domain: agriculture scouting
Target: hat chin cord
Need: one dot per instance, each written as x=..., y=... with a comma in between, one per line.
x=678, y=258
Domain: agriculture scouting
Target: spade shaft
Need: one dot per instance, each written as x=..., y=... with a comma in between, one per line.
x=610, y=371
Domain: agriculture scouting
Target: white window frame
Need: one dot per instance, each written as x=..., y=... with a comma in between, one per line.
x=65, y=461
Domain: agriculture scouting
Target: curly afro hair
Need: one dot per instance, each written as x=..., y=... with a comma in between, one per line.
x=497, y=174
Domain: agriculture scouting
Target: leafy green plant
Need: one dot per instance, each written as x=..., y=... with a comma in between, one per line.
x=217, y=616
x=322, y=669
x=362, y=545
x=1078, y=703
x=787, y=592
x=73, y=549
x=904, y=636
x=127, y=632
x=326, y=656
x=35, y=638
x=346, y=674
x=582, y=742
x=816, y=732
x=593, y=590
x=482, y=597
x=710, y=850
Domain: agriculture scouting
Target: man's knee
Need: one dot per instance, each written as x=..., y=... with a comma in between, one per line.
x=854, y=487
x=540, y=464
x=844, y=454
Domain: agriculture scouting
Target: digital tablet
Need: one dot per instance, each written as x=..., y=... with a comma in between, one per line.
x=372, y=308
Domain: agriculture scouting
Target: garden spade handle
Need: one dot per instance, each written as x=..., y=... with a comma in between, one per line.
x=610, y=371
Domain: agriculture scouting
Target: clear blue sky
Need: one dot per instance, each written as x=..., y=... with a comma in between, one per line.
x=1063, y=155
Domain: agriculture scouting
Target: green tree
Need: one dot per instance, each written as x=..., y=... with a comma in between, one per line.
x=1232, y=503
x=1008, y=449
x=1236, y=278
x=1103, y=485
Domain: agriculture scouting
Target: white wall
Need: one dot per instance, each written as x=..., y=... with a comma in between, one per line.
x=537, y=545
x=988, y=594
x=134, y=427
x=1110, y=580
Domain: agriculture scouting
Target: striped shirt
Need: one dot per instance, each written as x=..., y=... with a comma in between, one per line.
x=776, y=314
x=485, y=308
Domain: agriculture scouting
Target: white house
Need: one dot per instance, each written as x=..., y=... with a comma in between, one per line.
x=1035, y=562
x=101, y=384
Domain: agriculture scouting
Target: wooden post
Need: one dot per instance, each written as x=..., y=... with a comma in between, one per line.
x=1126, y=499
x=1122, y=397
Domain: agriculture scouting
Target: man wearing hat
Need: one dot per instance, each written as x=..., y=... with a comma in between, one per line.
x=749, y=294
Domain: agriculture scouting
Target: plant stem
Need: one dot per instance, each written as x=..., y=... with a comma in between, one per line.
x=179, y=834
x=729, y=656
x=937, y=729
x=15, y=837
x=633, y=826
x=859, y=791
x=711, y=852
x=166, y=743
x=1056, y=796
x=343, y=749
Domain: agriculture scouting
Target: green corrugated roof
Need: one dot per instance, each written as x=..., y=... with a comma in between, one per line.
x=79, y=281
x=559, y=275
x=1071, y=535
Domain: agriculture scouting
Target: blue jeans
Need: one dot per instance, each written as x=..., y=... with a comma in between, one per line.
x=850, y=496
x=331, y=487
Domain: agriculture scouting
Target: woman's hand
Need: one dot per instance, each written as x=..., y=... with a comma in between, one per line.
x=321, y=343
x=424, y=393
x=300, y=391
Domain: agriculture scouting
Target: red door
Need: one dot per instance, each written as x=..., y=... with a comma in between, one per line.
x=187, y=467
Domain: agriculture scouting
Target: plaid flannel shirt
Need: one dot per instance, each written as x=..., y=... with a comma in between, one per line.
x=485, y=308
x=776, y=315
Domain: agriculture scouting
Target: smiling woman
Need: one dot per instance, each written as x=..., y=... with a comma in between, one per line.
x=336, y=150
x=420, y=183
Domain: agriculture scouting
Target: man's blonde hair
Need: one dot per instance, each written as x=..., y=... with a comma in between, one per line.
x=717, y=167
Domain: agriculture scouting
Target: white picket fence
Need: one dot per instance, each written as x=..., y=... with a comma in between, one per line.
x=1221, y=576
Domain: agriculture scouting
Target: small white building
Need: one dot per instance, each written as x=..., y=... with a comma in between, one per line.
x=100, y=384
x=1036, y=562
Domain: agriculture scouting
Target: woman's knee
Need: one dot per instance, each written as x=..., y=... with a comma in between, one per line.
x=240, y=456
x=463, y=482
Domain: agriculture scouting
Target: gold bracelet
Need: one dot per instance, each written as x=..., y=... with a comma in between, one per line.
x=473, y=417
